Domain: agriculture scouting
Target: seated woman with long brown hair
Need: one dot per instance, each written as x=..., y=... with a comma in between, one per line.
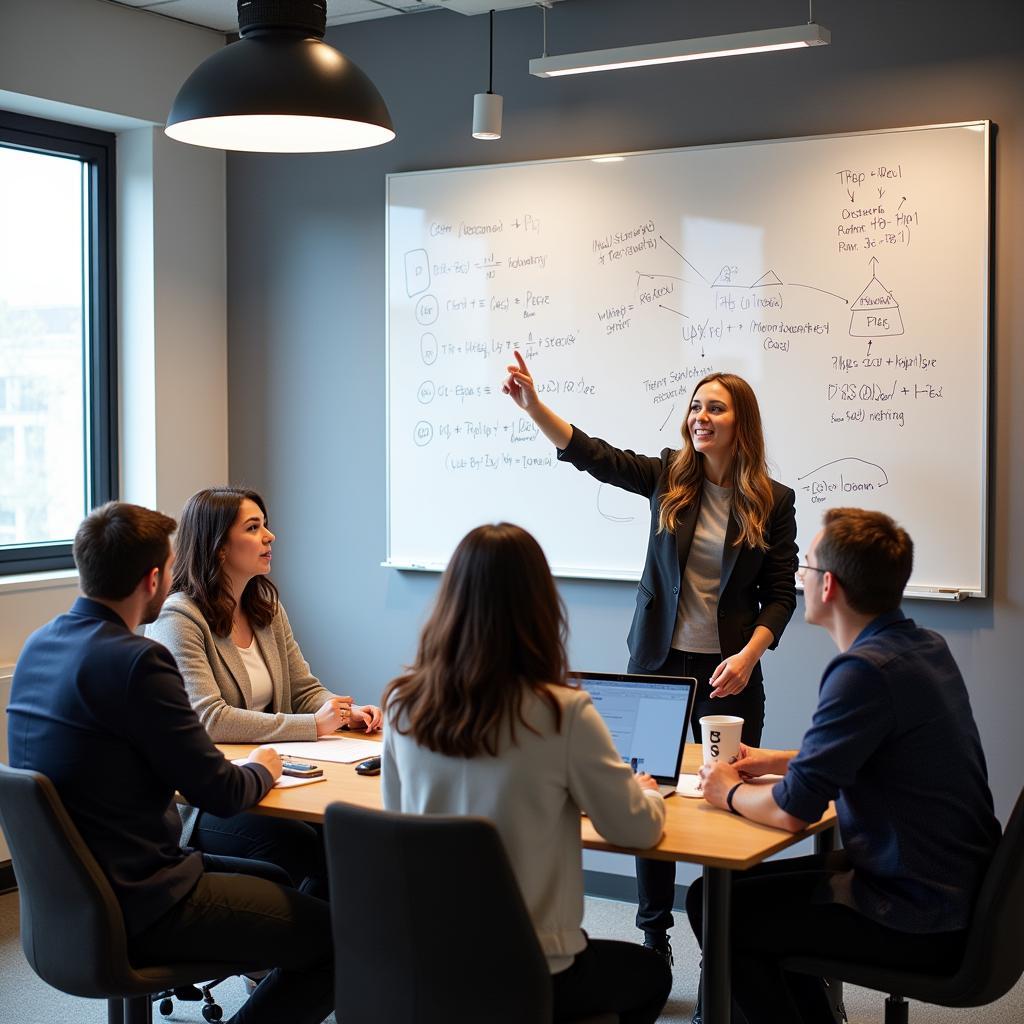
x=245, y=675
x=486, y=723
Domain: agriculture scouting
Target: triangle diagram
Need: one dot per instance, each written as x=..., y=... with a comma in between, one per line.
x=875, y=314
x=767, y=279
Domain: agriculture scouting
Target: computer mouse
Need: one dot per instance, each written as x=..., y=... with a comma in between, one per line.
x=371, y=766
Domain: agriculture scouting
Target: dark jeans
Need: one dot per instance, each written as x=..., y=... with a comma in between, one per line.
x=656, y=879
x=249, y=918
x=784, y=908
x=612, y=977
x=296, y=846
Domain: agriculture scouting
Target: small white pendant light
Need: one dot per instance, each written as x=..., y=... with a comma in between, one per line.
x=280, y=89
x=487, y=106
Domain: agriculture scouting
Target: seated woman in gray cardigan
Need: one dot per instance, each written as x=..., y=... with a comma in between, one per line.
x=487, y=723
x=244, y=673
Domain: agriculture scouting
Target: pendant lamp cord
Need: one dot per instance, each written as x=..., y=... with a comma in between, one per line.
x=490, y=66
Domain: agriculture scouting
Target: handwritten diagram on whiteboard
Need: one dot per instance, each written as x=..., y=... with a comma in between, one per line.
x=846, y=277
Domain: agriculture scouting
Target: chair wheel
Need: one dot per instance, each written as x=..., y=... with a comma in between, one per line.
x=212, y=1013
x=166, y=1007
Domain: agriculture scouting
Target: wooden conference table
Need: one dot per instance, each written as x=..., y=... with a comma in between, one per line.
x=695, y=832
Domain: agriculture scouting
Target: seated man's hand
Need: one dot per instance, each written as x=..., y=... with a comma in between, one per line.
x=757, y=761
x=716, y=781
x=269, y=758
x=368, y=717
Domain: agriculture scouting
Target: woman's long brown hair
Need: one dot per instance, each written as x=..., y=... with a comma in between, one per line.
x=498, y=629
x=202, y=532
x=752, y=499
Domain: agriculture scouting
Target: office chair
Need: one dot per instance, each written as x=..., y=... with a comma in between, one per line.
x=72, y=929
x=429, y=920
x=993, y=957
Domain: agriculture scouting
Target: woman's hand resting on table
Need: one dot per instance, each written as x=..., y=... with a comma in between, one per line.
x=366, y=717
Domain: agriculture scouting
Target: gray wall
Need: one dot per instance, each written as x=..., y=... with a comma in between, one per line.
x=306, y=295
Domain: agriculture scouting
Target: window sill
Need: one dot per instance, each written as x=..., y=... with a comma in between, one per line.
x=57, y=579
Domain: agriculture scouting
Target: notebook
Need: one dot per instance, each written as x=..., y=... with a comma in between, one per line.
x=647, y=717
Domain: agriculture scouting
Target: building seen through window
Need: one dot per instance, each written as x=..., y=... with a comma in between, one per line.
x=56, y=353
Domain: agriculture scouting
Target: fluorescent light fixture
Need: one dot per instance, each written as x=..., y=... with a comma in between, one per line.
x=607, y=159
x=761, y=41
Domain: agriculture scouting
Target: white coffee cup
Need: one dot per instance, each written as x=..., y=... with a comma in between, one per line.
x=721, y=738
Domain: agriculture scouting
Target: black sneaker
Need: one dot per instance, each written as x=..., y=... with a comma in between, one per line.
x=658, y=941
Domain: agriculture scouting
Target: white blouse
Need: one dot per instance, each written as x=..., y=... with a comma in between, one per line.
x=259, y=676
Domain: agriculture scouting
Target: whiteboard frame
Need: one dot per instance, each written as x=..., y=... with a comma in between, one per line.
x=985, y=125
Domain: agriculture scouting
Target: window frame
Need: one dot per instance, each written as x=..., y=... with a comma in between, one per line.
x=97, y=150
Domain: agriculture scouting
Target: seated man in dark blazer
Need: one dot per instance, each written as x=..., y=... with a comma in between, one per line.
x=103, y=713
x=894, y=743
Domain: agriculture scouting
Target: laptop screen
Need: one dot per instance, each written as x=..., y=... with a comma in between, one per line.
x=647, y=717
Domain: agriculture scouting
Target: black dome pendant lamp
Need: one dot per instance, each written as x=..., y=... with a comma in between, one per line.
x=280, y=89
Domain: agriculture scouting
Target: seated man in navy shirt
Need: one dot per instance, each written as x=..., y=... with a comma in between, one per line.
x=894, y=743
x=104, y=715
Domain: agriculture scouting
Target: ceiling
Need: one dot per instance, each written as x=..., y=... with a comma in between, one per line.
x=222, y=15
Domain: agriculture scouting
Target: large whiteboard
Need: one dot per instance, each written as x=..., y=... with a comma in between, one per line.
x=845, y=276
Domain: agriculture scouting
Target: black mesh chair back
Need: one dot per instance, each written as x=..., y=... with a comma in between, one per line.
x=429, y=921
x=994, y=953
x=72, y=928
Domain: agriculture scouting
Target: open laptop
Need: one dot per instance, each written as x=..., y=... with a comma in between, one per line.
x=647, y=716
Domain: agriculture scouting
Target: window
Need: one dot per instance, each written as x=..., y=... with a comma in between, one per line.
x=58, y=385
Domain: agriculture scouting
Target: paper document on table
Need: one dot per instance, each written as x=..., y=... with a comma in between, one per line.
x=330, y=748
x=287, y=781
x=284, y=781
x=689, y=785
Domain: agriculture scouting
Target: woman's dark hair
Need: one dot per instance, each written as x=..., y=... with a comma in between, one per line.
x=202, y=533
x=497, y=630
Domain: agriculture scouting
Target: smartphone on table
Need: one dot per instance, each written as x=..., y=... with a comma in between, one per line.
x=301, y=769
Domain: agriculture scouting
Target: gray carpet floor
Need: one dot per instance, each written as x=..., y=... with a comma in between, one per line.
x=24, y=999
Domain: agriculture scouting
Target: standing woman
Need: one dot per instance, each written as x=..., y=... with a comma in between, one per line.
x=244, y=673
x=718, y=584
x=485, y=723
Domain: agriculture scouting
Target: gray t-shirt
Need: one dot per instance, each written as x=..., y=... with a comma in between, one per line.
x=697, y=614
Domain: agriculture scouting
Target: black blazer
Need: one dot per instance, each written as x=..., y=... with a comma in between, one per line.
x=758, y=587
x=103, y=713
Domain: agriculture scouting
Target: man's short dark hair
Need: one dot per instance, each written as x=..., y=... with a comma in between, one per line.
x=869, y=554
x=117, y=544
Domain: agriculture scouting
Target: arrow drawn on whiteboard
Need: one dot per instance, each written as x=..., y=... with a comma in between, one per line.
x=824, y=291
x=869, y=348
x=668, y=417
x=671, y=310
x=846, y=484
x=684, y=259
x=902, y=201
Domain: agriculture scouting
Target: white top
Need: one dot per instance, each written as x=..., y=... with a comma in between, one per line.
x=697, y=613
x=534, y=792
x=259, y=676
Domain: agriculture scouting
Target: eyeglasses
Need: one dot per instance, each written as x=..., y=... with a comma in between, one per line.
x=802, y=570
